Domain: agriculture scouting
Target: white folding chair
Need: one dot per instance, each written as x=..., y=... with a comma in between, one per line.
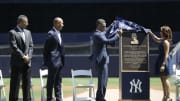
x=31, y=91
x=87, y=82
x=43, y=76
x=177, y=81
x=2, y=90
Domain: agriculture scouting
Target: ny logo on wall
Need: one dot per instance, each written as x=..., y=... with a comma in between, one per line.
x=135, y=86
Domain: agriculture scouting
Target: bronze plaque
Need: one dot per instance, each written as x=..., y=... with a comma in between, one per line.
x=135, y=51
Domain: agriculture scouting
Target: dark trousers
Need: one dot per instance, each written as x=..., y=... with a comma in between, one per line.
x=54, y=80
x=17, y=73
x=102, y=71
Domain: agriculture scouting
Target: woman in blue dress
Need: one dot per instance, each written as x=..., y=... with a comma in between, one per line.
x=165, y=41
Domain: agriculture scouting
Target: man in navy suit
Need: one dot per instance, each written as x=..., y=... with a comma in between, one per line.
x=53, y=55
x=100, y=56
x=21, y=45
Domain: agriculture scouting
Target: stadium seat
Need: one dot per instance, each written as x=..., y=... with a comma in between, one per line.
x=2, y=90
x=77, y=75
x=43, y=78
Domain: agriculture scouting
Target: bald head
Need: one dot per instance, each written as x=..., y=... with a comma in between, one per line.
x=58, y=23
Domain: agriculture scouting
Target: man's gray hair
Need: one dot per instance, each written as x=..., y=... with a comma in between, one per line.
x=100, y=21
x=21, y=18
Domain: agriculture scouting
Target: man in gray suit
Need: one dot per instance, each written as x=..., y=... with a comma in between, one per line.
x=21, y=45
x=100, y=56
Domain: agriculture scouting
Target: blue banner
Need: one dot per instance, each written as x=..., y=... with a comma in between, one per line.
x=127, y=26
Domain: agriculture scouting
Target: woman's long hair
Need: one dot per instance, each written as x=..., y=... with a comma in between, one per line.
x=167, y=33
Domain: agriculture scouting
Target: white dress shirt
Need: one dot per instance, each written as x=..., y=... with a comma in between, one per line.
x=59, y=35
x=22, y=33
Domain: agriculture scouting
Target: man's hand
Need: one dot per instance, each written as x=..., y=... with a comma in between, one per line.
x=120, y=31
x=26, y=59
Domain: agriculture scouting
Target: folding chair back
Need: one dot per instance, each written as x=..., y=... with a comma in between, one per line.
x=177, y=81
x=31, y=91
x=83, y=79
x=43, y=76
x=2, y=90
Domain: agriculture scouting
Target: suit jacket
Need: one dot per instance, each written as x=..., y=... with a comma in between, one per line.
x=100, y=42
x=20, y=47
x=53, y=53
x=174, y=57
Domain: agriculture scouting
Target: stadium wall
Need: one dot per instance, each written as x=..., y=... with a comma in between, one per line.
x=77, y=46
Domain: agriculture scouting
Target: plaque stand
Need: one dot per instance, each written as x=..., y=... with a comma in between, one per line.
x=134, y=75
